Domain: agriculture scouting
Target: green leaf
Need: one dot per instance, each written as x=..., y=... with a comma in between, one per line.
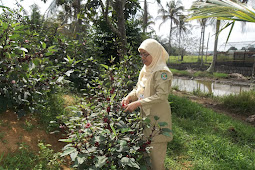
x=129, y=162
x=31, y=66
x=101, y=161
x=147, y=121
x=65, y=140
x=123, y=142
x=51, y=47
x=68, y=151
x=81, y=158
x=5, y=25
x=162, y=124
x=114, y=131
x=105, y=66
x=166, y=134
x=22, y=49
x=69, y=72
x=156, y=117
x=166, y=130
x=73, y=155
x=14, y=36
x=43, y=45
x=124, y=130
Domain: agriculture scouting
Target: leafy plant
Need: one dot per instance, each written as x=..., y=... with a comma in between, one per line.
x=100, y=134
x=47, y=159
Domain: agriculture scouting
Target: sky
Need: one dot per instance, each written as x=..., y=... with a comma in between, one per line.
x=237, y=37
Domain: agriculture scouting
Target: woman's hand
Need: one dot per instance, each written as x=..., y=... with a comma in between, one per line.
x=132, y=106
x=125, y=101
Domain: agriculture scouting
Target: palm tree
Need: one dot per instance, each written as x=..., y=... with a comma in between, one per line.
x=222, y=10
x=174, y=9
x=182, y=28
x=71, y=8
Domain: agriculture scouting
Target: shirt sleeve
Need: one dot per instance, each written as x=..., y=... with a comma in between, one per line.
x=163, y=80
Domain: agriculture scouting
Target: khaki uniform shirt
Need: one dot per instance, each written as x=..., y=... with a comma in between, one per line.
x=157, y=102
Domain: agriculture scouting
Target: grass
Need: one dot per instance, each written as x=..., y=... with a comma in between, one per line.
x=199, y=93
x=53, y=107
x=25, y=158
x=243, y=103
x=204, y=139
x=198, y=74
x=189, y=59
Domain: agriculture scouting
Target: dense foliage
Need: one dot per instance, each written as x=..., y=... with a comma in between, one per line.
x=37, y=63
x=100, y=133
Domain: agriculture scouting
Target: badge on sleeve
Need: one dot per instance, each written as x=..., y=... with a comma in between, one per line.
x=164, y=76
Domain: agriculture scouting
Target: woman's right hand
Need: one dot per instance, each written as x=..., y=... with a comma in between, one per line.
x=125, y=101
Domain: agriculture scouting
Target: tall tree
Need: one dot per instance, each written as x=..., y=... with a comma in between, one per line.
x=146, y=14
x=72, y=9
x=182, y=29
x=116, y=22
x=174, y=9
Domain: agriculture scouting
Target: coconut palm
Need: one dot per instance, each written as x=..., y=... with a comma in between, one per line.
x=182, y=26
x=174, y=9
x=231, y=11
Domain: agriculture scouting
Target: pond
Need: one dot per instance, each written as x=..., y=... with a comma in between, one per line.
x=217, y=89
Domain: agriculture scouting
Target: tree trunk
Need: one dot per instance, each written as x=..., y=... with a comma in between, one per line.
x=79, y=23
x=170, y=38
x=203, y=39
x=119, y=8
x=120, y=30
x=179, y=44
x=145, y=16
x=212, y=66
x=207, y=48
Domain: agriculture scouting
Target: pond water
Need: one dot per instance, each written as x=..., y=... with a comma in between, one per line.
x=217, y=89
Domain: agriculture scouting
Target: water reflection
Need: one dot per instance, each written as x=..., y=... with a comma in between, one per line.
x=216, y=89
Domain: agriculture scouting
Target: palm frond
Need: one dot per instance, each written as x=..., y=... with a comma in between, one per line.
x=222, y=9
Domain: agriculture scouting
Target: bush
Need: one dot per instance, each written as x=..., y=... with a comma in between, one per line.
x=100, y=134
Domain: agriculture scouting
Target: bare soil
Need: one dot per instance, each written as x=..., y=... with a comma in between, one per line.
x=14, y=131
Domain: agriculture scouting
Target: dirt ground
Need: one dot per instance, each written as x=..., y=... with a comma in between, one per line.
x=14, y=131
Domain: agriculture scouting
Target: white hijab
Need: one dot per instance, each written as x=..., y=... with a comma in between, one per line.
x=159, y=58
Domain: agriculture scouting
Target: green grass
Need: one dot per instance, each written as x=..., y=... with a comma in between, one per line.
x=189, y=59
x=243, y=103
x=198, y=74
x=181, y=72
x=53, y=107
x=25, y=158
x=205, y=140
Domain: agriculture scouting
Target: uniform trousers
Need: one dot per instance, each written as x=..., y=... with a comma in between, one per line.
x=158, y=155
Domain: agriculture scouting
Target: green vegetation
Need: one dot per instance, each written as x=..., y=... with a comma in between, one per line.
x=198, y=92
x=40, y=65
x=243, y=103
x=190, y=59
x=25, y=158
x=204, y=139
x=198, y=74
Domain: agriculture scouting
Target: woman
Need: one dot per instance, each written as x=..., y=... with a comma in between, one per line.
x=151, y=95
